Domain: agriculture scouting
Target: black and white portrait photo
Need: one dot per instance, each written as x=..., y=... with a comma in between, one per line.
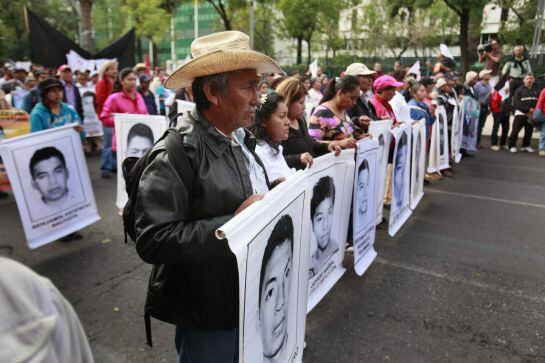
x=135, y=135
x=380, y=130
x=51, y=184
x=418, y=163
x=322, y=206
x=399, y=208
x=444, y=156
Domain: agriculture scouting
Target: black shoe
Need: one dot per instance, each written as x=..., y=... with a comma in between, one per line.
x=71, y=237
x=3, y=194
x=106, y=175
x=426, y=182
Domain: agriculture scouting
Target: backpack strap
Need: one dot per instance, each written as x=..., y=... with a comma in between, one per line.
x=177, y=156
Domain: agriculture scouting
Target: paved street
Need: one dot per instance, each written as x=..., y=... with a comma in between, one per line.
x=463, y=281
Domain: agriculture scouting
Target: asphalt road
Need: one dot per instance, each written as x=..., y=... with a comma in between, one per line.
x=463, y=280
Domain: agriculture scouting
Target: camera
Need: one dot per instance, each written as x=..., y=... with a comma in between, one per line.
x=486, y=47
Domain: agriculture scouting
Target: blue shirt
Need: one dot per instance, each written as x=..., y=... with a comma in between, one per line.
x=41, y=117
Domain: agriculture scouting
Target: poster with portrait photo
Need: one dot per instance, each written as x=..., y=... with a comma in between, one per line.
x=381, y=131
x=418, y=162
x=135, y=135
x=433, y=159
x=401, y=178
x=184, y=108
x=442, y=123
x=363, y=205
x=51, y=183
x=92, y=127
x=470, y=123
x=330, y=183
x=456, y=134
x=271, y=243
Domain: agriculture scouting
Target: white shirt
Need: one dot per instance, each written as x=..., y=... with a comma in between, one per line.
x=37, y=324
x=274, y=161
x=401, y=108
x=257, y=174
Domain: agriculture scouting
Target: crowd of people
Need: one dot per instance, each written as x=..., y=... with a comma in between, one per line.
x=246, y=135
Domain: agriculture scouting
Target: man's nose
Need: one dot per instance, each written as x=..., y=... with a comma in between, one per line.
x=254, y=100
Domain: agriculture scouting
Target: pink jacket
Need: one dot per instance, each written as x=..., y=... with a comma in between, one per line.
x=119, y=102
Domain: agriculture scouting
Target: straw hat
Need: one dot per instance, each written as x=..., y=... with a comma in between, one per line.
x=139, y=66
x=105, y=66
x=440, y=82
x=358, y=69
x=484, y=72
x=219, y=53
x=471, y=75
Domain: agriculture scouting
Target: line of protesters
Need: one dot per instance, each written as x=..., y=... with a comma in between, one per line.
x=194, y=282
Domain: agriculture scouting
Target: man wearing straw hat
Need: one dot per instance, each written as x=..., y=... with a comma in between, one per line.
x=194, y=281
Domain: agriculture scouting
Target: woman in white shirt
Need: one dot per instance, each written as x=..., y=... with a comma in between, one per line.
x=271, y=127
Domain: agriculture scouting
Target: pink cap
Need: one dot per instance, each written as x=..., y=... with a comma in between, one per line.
x=63, y=68
x=386, y=81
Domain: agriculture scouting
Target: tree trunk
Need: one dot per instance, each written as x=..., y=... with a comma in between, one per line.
x=139, y=49
x=299, y=50
x=464, y=42
x=87, y=25
x=308, y=51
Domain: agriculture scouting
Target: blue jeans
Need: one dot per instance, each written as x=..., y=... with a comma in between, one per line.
x=206, y=346
x=108, y=160
x=540, y=118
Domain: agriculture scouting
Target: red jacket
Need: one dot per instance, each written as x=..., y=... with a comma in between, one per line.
x=495, y=101
x=103, y=90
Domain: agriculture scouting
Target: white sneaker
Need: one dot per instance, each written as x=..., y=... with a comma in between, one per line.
x=505, y=147
x=495, y=148
x=528, y=149
x=513, y=150
x=541, y=152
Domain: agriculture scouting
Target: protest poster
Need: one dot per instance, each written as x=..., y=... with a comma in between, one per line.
x=442, y=124
x=135, y=135
x=418, y=162
x=184, y=108
x=433, y=159
x=364, y=210
x=330, y=183
x=381, y=131
x=92, y=127
x=470, y=123
x=270, y=240
x=399, y=209
x=456, y=134
x=50, y=182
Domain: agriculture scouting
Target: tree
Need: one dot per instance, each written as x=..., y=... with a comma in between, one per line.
x=525, y=13
x=264, y=29
x=85, y=17
x=108, y=21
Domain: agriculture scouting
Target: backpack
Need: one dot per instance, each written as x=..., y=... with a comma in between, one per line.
x=133, y=168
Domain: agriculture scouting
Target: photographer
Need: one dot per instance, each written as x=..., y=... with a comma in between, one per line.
x=491, y=54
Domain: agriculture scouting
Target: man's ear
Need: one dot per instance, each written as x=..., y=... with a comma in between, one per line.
x=33, y=183
x=211, y=94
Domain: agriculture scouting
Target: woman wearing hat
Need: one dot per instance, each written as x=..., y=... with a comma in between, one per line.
x=385, y=90
x=51, y=111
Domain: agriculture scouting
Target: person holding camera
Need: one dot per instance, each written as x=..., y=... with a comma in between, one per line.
x=491, y=55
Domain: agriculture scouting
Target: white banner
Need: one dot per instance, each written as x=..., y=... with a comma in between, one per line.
x=183, y=107
x=135, y=135
x=433, y=160
x=77, y=63
x=91, y=124
x=270, y=240
x=401, y=176
x=456, y=134
x=418, y=162
x=442, y=124
x=381, y=131
x=330, y=183
x=364, y=209
x=51, y=183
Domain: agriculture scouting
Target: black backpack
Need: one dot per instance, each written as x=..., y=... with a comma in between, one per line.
x=133, y=168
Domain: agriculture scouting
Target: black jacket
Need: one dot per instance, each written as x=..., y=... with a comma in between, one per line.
x=194, y=280
x=79, y=106
x=300, y=142
x=362, y=108
x=525, y=98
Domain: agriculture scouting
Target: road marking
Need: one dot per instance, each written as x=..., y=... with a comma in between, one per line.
x=474, y=283
x=431, y=190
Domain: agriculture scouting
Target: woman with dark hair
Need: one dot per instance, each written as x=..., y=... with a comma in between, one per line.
x=300, y=148
x=330, y=122
x=124, y=99
x=271, y=127
x=51, y=111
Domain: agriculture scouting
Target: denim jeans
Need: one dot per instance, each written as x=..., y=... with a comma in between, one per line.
x=540, y=118
x=108, y=160
x=206, y=346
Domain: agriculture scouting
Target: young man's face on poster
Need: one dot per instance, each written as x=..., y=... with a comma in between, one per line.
x=363, y=184
x=322, y=222
x=49, y=177
x=274, y=301
x=400, y=172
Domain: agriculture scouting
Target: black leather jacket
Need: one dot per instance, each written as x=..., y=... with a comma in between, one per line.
x=194, y=281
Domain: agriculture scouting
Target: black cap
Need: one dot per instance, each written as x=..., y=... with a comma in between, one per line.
x=49, y=83
x=144, y=78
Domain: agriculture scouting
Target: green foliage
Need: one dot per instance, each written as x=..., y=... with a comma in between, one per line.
x=264, y=25
x=103, y=19
x=13, y=32
x=150, y=19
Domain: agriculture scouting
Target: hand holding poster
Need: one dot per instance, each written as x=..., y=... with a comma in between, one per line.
x=135, y=135
x=381, y=131
x=442, y=125
x=364, y=209
x=271, y=243
x=330, y=181
x=418, y=162
x=51, y=184
x=399, y=209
